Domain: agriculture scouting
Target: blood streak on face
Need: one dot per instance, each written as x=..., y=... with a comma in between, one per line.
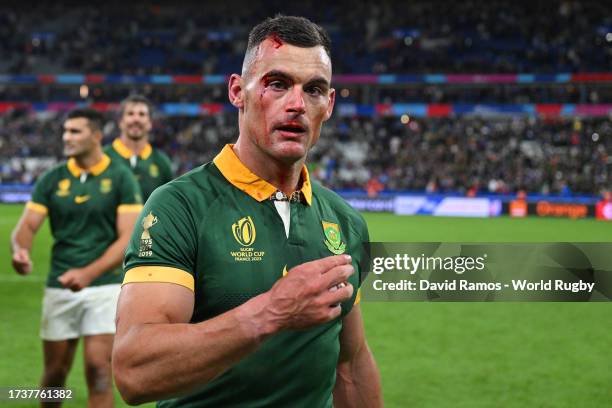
x=286, y=99
x=277, y=42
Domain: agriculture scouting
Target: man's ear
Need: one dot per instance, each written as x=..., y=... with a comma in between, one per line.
x=98, y=135
x=330, y=106
x=235, y=92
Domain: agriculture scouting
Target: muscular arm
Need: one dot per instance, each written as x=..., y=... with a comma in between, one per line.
x=78, y=278
x=157, y=354
x=22, y=238
x=357, y=377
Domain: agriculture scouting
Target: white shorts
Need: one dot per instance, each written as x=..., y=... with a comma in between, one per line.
x=70, y=315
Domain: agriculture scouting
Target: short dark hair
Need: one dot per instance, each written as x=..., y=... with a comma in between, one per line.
x=298, y=31
x=135, y=98
x=94, y=118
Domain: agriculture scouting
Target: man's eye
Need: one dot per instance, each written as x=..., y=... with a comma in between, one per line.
x=314, y=90
x=277, y=85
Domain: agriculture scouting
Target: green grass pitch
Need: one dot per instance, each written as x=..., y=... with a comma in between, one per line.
x=429, y=354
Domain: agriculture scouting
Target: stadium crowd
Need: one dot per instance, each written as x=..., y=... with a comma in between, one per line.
x=369, y=37
x=462, y=154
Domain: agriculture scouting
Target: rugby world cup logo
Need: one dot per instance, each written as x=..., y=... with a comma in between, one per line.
x=63, y=188
x=244, y=231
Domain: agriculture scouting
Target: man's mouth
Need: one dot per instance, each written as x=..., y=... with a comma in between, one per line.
x=294, y=128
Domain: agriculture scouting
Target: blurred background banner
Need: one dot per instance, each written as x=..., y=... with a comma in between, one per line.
x=487, y=272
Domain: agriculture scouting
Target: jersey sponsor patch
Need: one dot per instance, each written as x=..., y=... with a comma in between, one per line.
x=333, y=241
x=146, y=242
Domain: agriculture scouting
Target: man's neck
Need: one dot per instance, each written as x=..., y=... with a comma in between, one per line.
x=285, y=177
x=135, y=145
x=89, y=159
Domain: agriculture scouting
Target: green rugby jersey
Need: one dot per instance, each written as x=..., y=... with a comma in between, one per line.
x=83, y=215
x=151, y=167
x=215, y=231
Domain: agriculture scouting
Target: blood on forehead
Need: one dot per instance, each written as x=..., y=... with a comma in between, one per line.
x=273, y=41
x=276, y=41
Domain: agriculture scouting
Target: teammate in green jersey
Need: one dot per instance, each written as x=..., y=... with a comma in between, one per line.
x=151, y=166
x=241, y=276
x=92, y=204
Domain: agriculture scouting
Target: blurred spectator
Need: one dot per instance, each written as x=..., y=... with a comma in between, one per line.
x=465, y=154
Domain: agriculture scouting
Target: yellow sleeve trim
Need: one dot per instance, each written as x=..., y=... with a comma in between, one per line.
x=128, y=208
x=358, y=297
x=39, y=208
x=164, y=274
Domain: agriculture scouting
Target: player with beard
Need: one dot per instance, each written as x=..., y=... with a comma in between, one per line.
x=151, y=166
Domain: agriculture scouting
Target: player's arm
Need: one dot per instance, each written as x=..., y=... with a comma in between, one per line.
x=79, y=278
x=157, y=354
x=23, y=235
x=357, y=377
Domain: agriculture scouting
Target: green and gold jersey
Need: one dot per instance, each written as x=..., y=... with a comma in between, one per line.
x=82, y=209
x=151, y=167
x=216, y=231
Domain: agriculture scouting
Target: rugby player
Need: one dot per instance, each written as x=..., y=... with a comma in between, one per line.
x=242, y=275
x=92, y=204
x=151, y=166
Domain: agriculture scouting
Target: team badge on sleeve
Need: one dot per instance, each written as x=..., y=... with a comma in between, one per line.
x=333, y=242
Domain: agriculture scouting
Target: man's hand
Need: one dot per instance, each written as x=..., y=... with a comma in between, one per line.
x=75, y=279
x=22, y=262
x=311, y=293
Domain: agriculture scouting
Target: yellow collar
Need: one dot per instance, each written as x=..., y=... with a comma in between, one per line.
x=241, y=177
x=94, y=170
x=126, y=152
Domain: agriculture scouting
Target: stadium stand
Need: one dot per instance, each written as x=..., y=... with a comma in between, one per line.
x=475, y=98
x=539, y=155
x=461, y=37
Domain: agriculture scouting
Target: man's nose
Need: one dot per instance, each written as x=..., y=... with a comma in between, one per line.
x=296, y=100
